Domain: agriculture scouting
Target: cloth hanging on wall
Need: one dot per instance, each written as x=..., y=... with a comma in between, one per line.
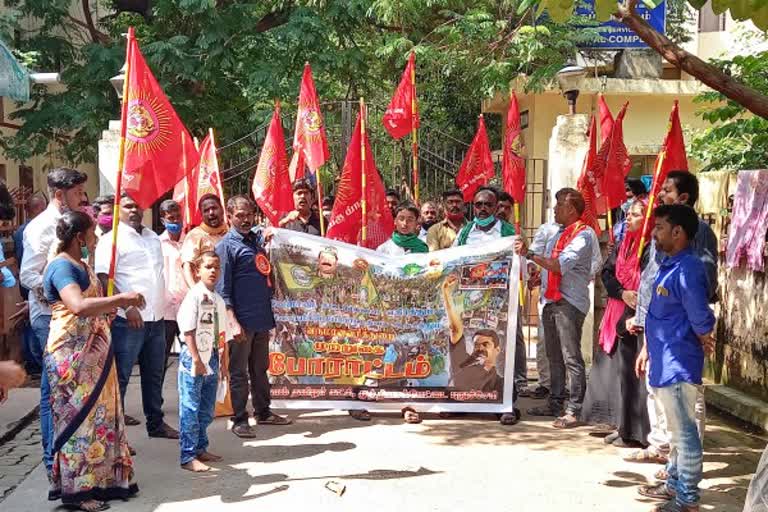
x=749, y=221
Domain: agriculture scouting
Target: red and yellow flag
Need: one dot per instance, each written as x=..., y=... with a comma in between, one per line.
x=271, y=183
x=158, y=148
x=346, y=222
x=477, y=168
x=512, y=164
x=309, y=136
x=402, y=114
x=672, y=156
x=617, y=165
x=204, y=179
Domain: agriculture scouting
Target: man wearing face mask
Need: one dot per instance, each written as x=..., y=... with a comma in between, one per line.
x=443, y=233
x=66, y=188
x=176, y=288
x=103, y=206
x=486, y=227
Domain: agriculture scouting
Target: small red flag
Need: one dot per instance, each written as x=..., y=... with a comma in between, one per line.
x=399, y=119
x=588, y=184
x=673, y=151
x=513, y=165
x=477, y=168
x=204, y=179
x=158, y=148
x=606, y=119
x=309, y=136
x=271, y=183
x=297, y=167
x=346, y=218
x=617, y=165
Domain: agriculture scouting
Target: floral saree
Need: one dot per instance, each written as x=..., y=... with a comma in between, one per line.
x=91, y=454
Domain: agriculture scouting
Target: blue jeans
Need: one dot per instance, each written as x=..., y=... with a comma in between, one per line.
x=197, y=399
x=685, y=457
x=41, y=327
x=33, y=354
x=147, y=346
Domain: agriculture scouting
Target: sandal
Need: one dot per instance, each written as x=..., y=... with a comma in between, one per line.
x=565, y=422
x=656, y=492
x=360, y=414
x=661, y=475
x=273, y=419
x=410, y=415
x=543, y=410
x=92, y=506
x=646, y=455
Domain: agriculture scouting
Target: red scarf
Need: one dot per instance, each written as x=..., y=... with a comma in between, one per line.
x=554, y=278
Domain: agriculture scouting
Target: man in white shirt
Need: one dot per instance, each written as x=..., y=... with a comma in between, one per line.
x=139, y=335
x=484, y=228
x=66, y=188
x=176, y=288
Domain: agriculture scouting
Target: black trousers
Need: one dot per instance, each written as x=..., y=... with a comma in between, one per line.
x=248, y=365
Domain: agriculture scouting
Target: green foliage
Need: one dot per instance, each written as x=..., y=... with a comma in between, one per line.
x=736, y=140
x=222, y=64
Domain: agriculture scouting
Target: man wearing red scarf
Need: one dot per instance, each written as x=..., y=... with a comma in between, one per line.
x=567, y=271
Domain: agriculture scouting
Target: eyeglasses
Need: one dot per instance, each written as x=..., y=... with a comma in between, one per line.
x=480, y=204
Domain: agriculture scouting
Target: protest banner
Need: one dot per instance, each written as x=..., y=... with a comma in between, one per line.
x=360, y=330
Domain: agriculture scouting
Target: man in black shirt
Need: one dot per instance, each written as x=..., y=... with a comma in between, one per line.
x=303, y=218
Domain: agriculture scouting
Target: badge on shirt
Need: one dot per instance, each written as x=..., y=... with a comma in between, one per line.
x=263, y=266
x=660, y=290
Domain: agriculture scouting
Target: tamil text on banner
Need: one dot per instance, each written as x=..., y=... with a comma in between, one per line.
x=356, y=329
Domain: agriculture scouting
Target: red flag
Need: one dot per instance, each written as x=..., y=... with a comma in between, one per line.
x=309, y=136
x=617, y=165
x=204, y=179
x=271, y=183
x=399, y=119
x=606, y=119
x=513, y=165
x=297, y=167
x=589, y=184
x=673, y=151
x=346, y=218
x=477, y=168
x=158, y=148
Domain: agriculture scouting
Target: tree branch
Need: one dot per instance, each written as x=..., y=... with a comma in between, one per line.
x=272, y=20
x=96, y=36
x=708, y=74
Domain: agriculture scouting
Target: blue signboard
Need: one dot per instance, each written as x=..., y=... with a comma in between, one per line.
x=616, y=35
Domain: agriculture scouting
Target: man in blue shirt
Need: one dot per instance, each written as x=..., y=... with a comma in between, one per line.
x=679, y=327
x=246, y=290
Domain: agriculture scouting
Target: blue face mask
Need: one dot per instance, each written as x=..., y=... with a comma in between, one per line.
x=484, y=223
x=173, y=228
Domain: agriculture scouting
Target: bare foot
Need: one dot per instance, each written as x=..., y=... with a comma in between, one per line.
x=195, y=466
x=208, y=457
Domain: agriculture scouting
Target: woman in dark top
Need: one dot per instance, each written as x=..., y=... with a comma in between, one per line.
x=92, y=462
x=615, y=396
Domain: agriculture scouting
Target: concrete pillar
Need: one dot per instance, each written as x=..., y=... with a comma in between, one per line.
x=567, y=148
x=109, y=150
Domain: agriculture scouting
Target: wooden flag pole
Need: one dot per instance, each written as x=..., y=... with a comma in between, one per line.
x=120, y=164
x=609, y=220
x=319, y=187
x=518, y=232
x=414, y=138
x=363, y=204
x=649, y=209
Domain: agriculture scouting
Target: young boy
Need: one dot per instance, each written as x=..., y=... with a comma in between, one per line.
x=404, y=240
x=202, y=321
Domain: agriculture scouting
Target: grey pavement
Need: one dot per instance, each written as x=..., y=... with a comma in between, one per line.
x=467, y=463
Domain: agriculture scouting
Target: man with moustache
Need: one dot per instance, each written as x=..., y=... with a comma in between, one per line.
x=428, y=219
x=443, y=233
x=303, y=218
x=138, y=336
x=204, y=237
x=247, y=293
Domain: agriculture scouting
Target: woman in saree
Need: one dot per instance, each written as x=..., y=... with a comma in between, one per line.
x=92, y=462
x=615, y=396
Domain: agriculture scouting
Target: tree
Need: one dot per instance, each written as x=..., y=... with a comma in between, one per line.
x=223, y=63
x=625, y=11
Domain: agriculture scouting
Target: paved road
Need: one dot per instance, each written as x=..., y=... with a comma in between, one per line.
x=469, y=463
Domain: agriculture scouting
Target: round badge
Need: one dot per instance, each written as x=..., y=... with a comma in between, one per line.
x=262, y=264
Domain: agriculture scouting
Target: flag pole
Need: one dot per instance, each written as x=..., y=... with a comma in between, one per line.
x=609, y=219
x=218, y=174
x=363, y=205
x=319, y=187
x=120, y=164
x=187, y=207
x=649, y=208
x=414, y=136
